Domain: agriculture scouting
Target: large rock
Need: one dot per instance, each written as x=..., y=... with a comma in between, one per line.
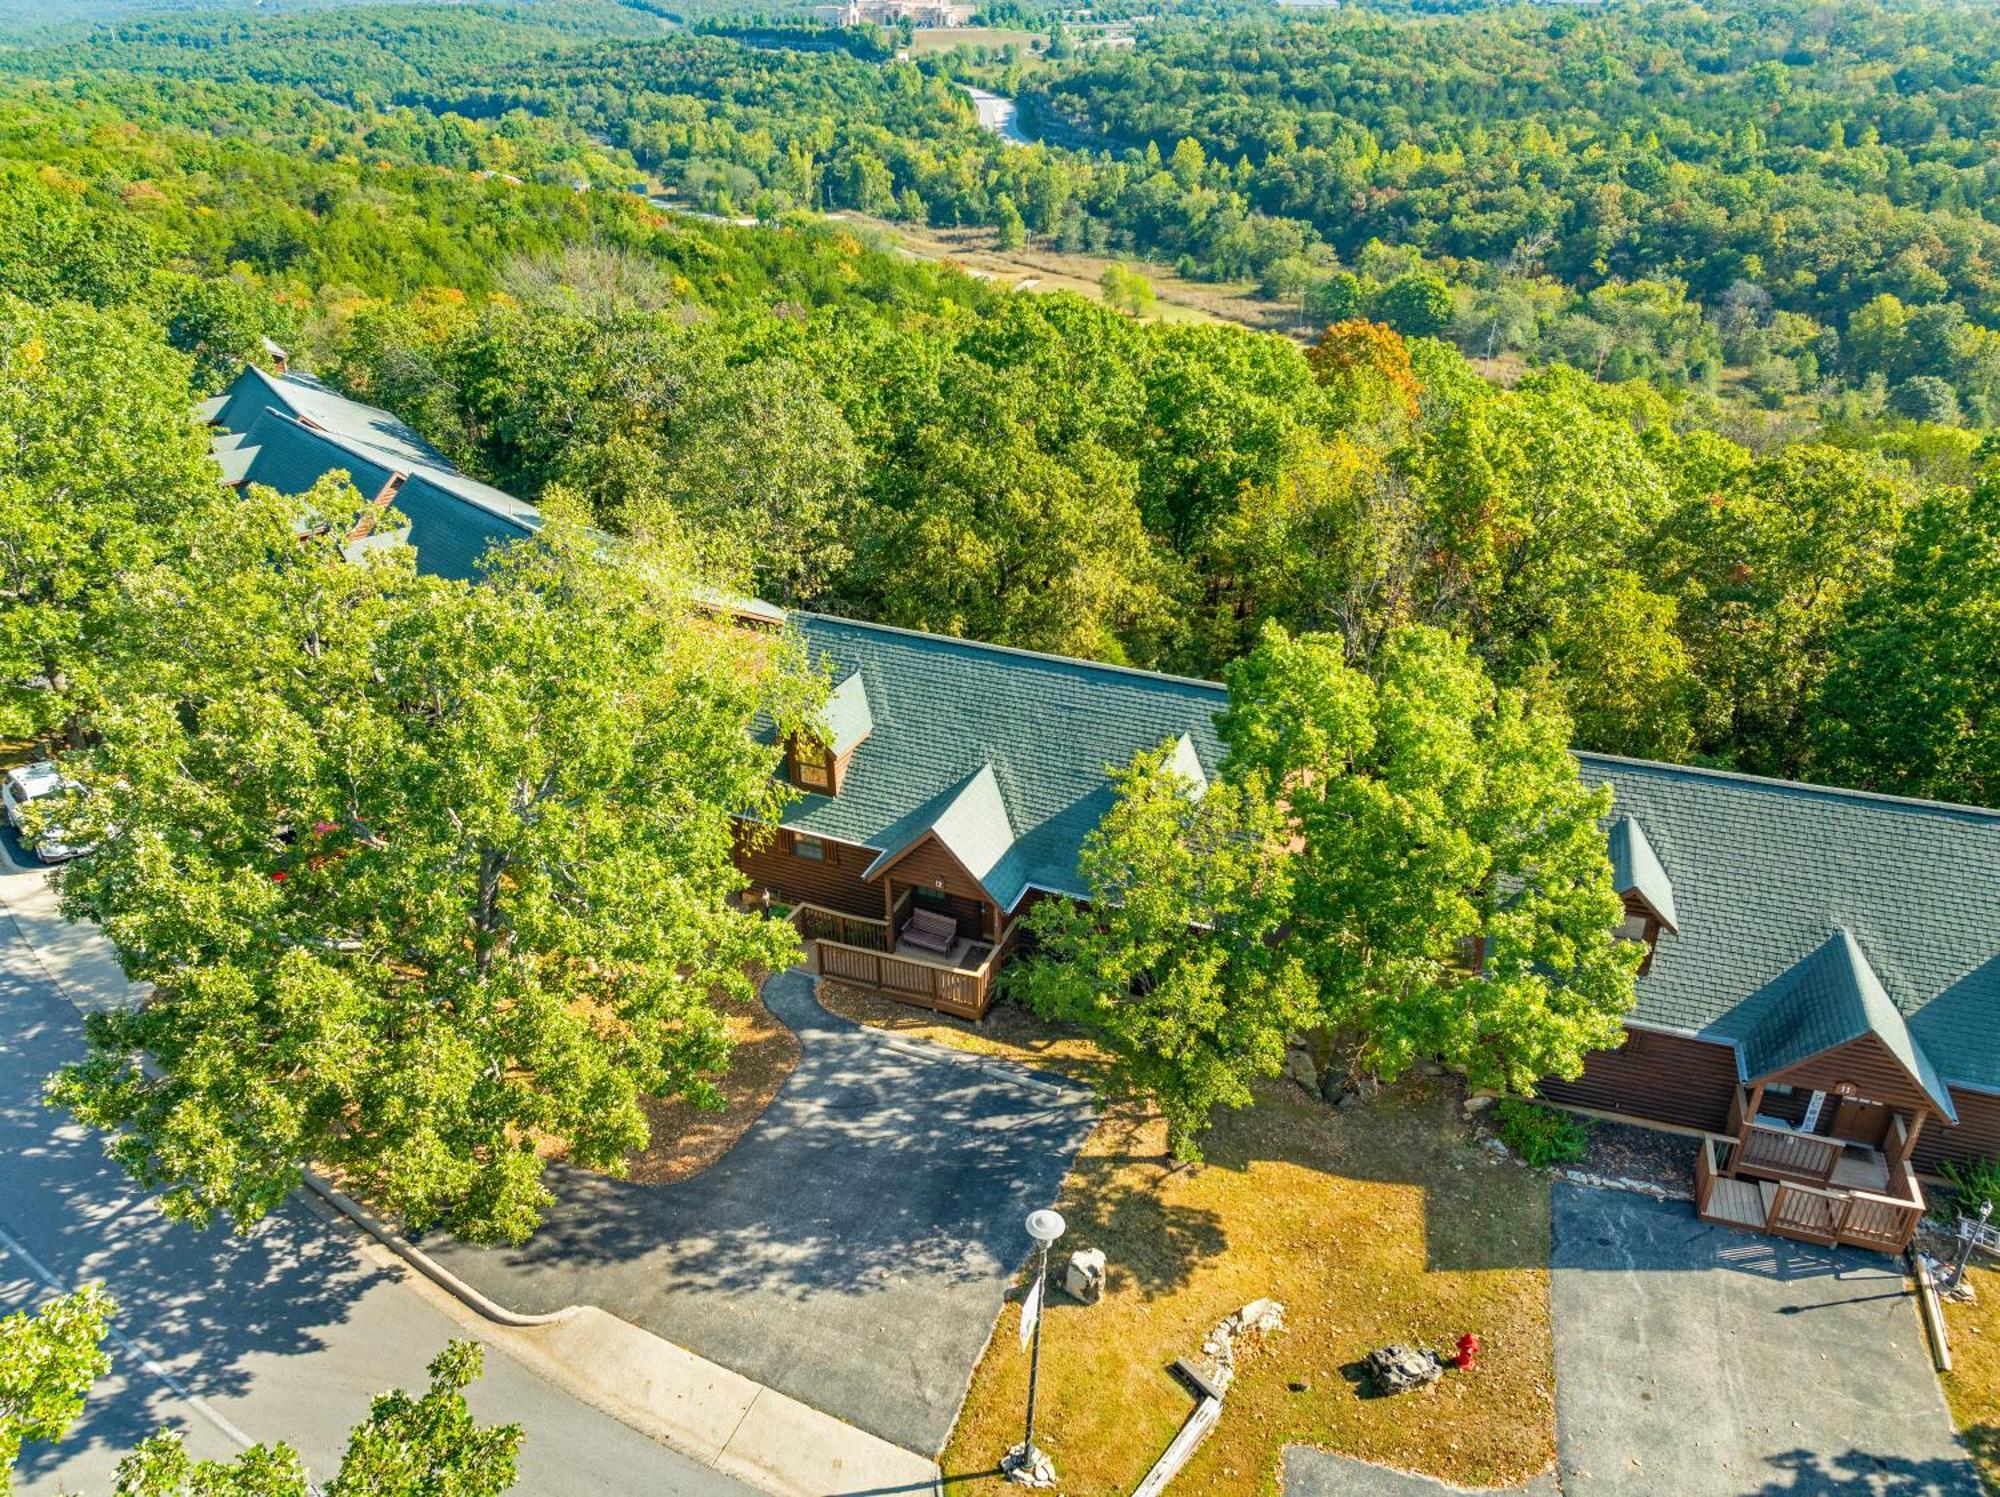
x=1084, y=1278
x=1400, y=1368
x=1300, y=1068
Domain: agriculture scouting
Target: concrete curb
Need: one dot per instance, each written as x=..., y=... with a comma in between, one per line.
x=734, y=1425
x=1929, y=1310
x=725, y=1420
x=424, y=1263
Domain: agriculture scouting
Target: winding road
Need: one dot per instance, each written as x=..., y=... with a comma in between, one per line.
x=999, y=114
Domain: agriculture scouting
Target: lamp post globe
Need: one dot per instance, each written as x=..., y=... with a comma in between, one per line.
x=1046, y=1226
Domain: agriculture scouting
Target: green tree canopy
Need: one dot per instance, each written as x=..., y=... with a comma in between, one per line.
x=1451, y=893
x=423, y=1446
x=1762, y=569
x=48, y=1360
x=1175, y=965
x=104, y=476
x=431, y=877
x=1911, y=704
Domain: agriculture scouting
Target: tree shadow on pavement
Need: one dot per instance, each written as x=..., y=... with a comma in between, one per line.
x=1861, y=1473
x=203, y=1303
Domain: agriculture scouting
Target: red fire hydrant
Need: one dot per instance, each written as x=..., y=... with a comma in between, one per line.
x=1468, y=1352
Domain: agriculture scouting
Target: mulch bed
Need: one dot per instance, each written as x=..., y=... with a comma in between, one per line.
x=1626, y=1151
x=686, y=1141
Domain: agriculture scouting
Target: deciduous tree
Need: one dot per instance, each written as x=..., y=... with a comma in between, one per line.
x=104, y=475
x=1451, y=893
x=1175, y=965
x=48, y=1360
x=1911, y=704
x=432, y=878
x=426, y=1446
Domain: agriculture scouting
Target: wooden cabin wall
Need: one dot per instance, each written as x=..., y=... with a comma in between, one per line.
x=1664, y=1078
x=834, y=882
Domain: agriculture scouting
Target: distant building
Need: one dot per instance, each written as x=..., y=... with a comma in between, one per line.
x=924, y=13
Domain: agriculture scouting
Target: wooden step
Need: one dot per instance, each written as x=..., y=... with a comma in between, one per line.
x=1737, y=1203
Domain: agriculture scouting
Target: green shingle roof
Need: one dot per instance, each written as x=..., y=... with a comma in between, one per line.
x=983, y=743
x=286, y=431
x=1795, y=912
x=970, y=821
x=1635, y=869
x=847, y=719
x=1831, y=998
x=279, y=453
x=1765, y=873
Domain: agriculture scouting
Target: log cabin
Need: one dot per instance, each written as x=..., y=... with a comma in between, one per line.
x=1820, y=1002
x=949, y=787
x=1819, y=1005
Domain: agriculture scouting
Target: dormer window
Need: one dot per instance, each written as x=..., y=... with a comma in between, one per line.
x=812, y=765
x=818, y=756
x=1641, y=881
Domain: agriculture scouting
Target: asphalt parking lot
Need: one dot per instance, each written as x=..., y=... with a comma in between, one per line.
x=854, y=1247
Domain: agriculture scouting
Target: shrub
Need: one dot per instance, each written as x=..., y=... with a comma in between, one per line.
x=1540, y=1135
x=1973, y=1184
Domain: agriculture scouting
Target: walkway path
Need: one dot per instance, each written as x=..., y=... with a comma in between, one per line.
x=853, y=1248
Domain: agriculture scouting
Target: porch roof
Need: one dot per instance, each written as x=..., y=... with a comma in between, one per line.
x=1830, y=999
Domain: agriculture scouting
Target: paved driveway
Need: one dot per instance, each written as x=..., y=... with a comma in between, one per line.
x=1693, y=1359
x=852, y=1250
x=1697, y=1361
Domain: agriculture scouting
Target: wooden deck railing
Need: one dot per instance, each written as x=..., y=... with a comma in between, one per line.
x=1859, y=1218
x=1783, y=1155
x=928, y=982
x=1827, y=1215
x=817, y=923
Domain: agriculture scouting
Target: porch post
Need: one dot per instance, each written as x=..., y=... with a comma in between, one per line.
x=1911, y=1129
x=889, y=910
x=1753, y=1100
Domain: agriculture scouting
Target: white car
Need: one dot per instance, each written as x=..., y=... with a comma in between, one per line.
x=41, y=781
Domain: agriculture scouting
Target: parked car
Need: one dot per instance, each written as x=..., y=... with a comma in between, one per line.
x=41, y=781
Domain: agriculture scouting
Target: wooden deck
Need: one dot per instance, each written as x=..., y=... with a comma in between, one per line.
x=1739, y=1203
x=1833, y=1214
x=853, y=948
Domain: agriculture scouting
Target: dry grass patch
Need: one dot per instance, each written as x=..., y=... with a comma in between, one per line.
x=1972, y=1387
x=1375, y=1225
x=1008, y=1032
x=947, y=38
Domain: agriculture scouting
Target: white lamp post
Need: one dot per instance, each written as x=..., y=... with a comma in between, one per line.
x=1024, y=1465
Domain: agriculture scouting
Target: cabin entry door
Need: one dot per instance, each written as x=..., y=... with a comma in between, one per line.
x=1860, y=1122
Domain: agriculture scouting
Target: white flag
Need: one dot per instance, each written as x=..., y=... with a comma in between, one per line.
x=1031, y=1311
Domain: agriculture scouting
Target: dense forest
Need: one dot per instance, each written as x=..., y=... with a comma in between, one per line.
x=1638, y=395
x=840, y=427
x=1783, y=202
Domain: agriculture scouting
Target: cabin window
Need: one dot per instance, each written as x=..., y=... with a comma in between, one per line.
x=810, y=848
x=812, y=765
x=1633, y=928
